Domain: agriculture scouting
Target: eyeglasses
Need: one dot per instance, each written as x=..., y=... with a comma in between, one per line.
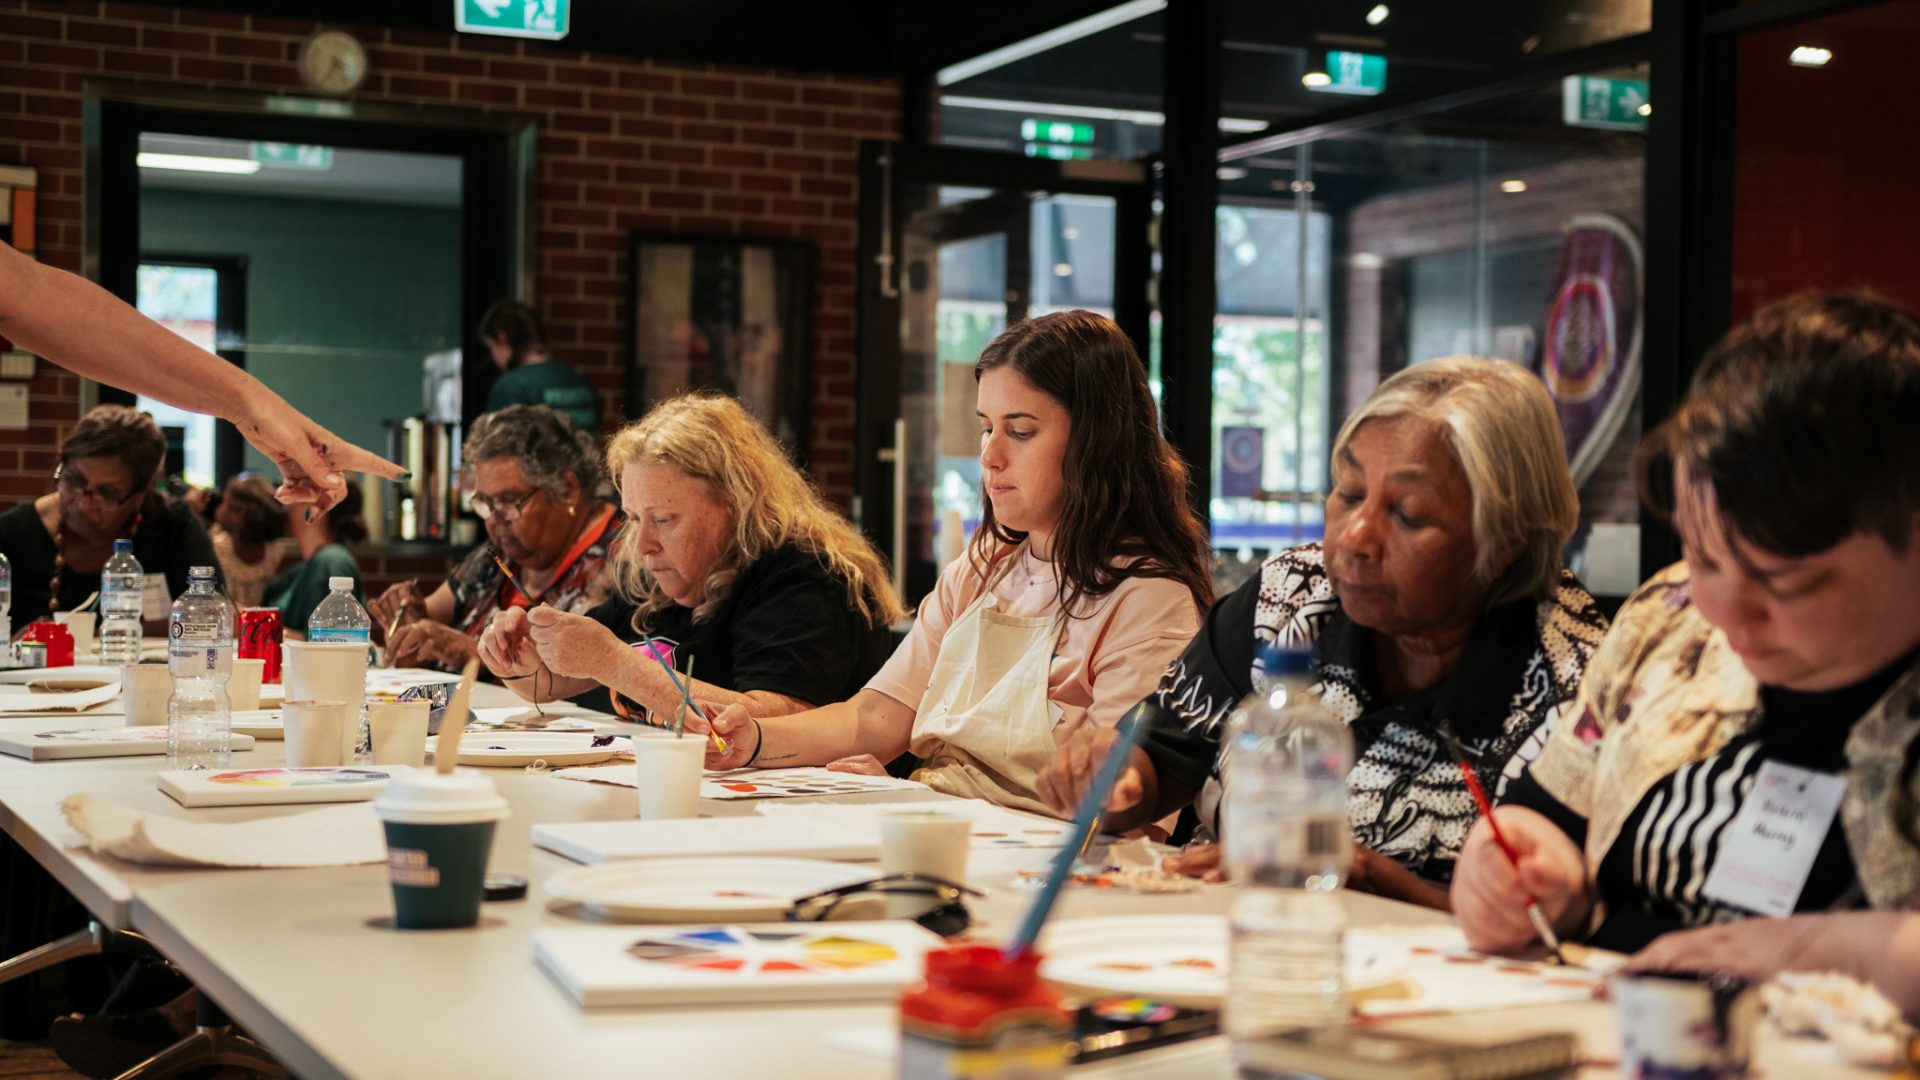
x=76, y=487
x=507, y=508
x=947, y=917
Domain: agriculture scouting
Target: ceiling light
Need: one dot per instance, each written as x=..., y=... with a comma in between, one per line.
x=1315, y=78
x=197, y=163
x=1645, y=109
x=1228, y=172
x=1062, y=269
x=1810, y=56
x=1378, y=15
x=1052, y=39
x=1513, y=187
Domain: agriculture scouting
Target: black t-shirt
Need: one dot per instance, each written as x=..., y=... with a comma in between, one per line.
x=171, y=540
x=786, y=628
x=1651, y=879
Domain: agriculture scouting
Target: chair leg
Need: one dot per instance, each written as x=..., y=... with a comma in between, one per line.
x=95, y=939
x=213, y=1042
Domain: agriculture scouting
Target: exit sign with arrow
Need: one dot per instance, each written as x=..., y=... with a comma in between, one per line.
x=545, y=19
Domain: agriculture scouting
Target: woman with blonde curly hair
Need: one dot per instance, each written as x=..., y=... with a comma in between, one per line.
x=731, y=558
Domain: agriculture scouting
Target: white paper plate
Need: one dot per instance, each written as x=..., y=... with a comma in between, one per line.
x=510, y=749
x=92, y=673
x=273, y=695
x=259, y=723
x=668, y=890
x=1179, y=958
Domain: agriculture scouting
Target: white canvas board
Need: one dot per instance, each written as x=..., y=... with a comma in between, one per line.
x=55, y=744
x=276, y=786
x=600, y=841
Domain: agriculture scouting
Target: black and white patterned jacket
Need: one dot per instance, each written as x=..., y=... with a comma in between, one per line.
x=1407, y=799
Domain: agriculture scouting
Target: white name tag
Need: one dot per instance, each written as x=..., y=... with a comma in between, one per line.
x=155, y=601
x=1766, y=854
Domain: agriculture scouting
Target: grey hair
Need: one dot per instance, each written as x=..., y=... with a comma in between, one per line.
x=1500, y=425
x=544, y=442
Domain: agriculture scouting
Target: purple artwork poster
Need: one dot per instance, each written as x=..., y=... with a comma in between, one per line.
x=1242, y=453
x=1590, y=350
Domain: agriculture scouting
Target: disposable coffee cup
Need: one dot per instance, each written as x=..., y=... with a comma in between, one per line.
x=1698, y=1026
x=329, y=671
x=669, y=769
x=80, y=624
x=399, y=731
x=439, y=829
x=144, y=690
x=243, y=686
x=313, y=733
x=926, y=843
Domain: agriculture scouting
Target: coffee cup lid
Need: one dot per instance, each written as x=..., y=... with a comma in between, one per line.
x=425, y=797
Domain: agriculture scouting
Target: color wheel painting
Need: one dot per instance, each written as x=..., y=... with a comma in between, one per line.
x=786, y=783
x=286, y=778
x=762, y=952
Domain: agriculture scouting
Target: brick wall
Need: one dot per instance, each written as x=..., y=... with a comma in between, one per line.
x=623, y=144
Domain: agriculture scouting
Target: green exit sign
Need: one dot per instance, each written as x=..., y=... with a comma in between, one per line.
x=1611, y=104
x=1056, y=131
x=292, y=155
x=513, y=18
x=1355, y=73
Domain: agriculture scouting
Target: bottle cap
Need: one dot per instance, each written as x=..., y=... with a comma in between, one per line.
x=122, y=547
x=1277, y=659
x=504, y=887
x=199, y=572
x=340, y=584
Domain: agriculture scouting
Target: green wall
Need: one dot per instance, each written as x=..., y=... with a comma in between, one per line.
x=344, y=300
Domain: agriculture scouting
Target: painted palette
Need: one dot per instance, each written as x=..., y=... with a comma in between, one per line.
x=526, y=718
x=792, y=783
x=665, y=890
x=251, y=787
x=512, y=749
x=1444, y=975
x=727, y=964
x=1178, y=958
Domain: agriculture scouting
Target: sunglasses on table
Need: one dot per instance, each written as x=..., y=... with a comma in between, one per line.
x=947, y=917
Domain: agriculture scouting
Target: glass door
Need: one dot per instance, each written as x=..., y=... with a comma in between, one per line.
x=952, y=261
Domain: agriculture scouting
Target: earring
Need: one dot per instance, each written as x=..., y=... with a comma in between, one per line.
x=571, y=509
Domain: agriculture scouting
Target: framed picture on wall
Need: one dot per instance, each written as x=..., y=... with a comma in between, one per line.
x=728, y=313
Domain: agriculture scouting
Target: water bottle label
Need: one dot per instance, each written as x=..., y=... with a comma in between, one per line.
x=339, y=634
x=188, y=660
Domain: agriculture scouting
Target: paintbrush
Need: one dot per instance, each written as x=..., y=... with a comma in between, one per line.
x=686, y=702
x=1535, y=913
x=447, y=751
x=1084, y=821
x=393, y=626
x=686, y=690
x=511, y=580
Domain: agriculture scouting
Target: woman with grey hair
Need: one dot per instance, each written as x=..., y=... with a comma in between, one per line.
x=533, y=476
x=1437, y=606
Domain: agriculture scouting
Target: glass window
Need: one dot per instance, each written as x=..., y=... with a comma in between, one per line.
x=185, y=300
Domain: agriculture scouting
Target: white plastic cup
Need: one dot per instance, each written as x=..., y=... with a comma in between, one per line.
x=927, y=843
x=669, y=769
x=243, y=687
x=144, y=690
x=329, y=671
x=315, y=733
x=80, y=624
x=399, y=731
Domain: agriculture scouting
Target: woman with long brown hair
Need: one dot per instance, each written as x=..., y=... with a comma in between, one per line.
x=1087, y=575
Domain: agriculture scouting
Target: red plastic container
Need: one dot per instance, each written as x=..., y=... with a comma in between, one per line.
x=57, y=638
x=258, y=638
x=979, y=1015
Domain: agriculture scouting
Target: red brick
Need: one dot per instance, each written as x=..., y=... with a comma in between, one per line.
x=447, y=64
x=487, y=92
x=642, y=174
x=43, y=53
x=196, y=41
x=487, y=43
x=751, y=114
x=667, y=106
x=37, y=78
x=553, y=193
x=722, y=157
x=766, y=137
x=720, y=88
x=796, y=208
x=768, y=91
x=579, y=170
x=774, y=185
x=676, y=200
x=677, y=154
x=97, y=33
x=274, y=74
x=586, y=123
x=626, y=103
x=556, y=239
x=801, y=117
x=708, y=133
x=415, y=86
x=542, y=97
x=832, y=189
x=737, y=204
x=190, y=67
x=825, y=142
x=34, y=26
x=607, y=195
x=815, y=95
x=264, y=48
x=577, y=215
x=520, y=71
x=582, y=75
x=19, y=127
x=648, y=80
x=799, y=163
x=218, y=20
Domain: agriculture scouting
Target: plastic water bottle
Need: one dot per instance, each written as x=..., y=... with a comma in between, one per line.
x=121, y=581
x=200, y=659
x=1287, y=843
x=339, y=617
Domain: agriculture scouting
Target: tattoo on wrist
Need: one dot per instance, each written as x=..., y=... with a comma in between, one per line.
x=781, y=757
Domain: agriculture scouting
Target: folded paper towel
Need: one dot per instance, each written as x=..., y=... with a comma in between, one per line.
x=336, y=836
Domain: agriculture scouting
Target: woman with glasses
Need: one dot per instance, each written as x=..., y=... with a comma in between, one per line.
x=533, y=476
x=729, y=558
x=103, y=491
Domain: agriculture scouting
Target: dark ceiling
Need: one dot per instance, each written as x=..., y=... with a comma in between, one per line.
x=855, y=37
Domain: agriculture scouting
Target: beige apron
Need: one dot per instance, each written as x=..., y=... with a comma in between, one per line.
x=985, y=726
